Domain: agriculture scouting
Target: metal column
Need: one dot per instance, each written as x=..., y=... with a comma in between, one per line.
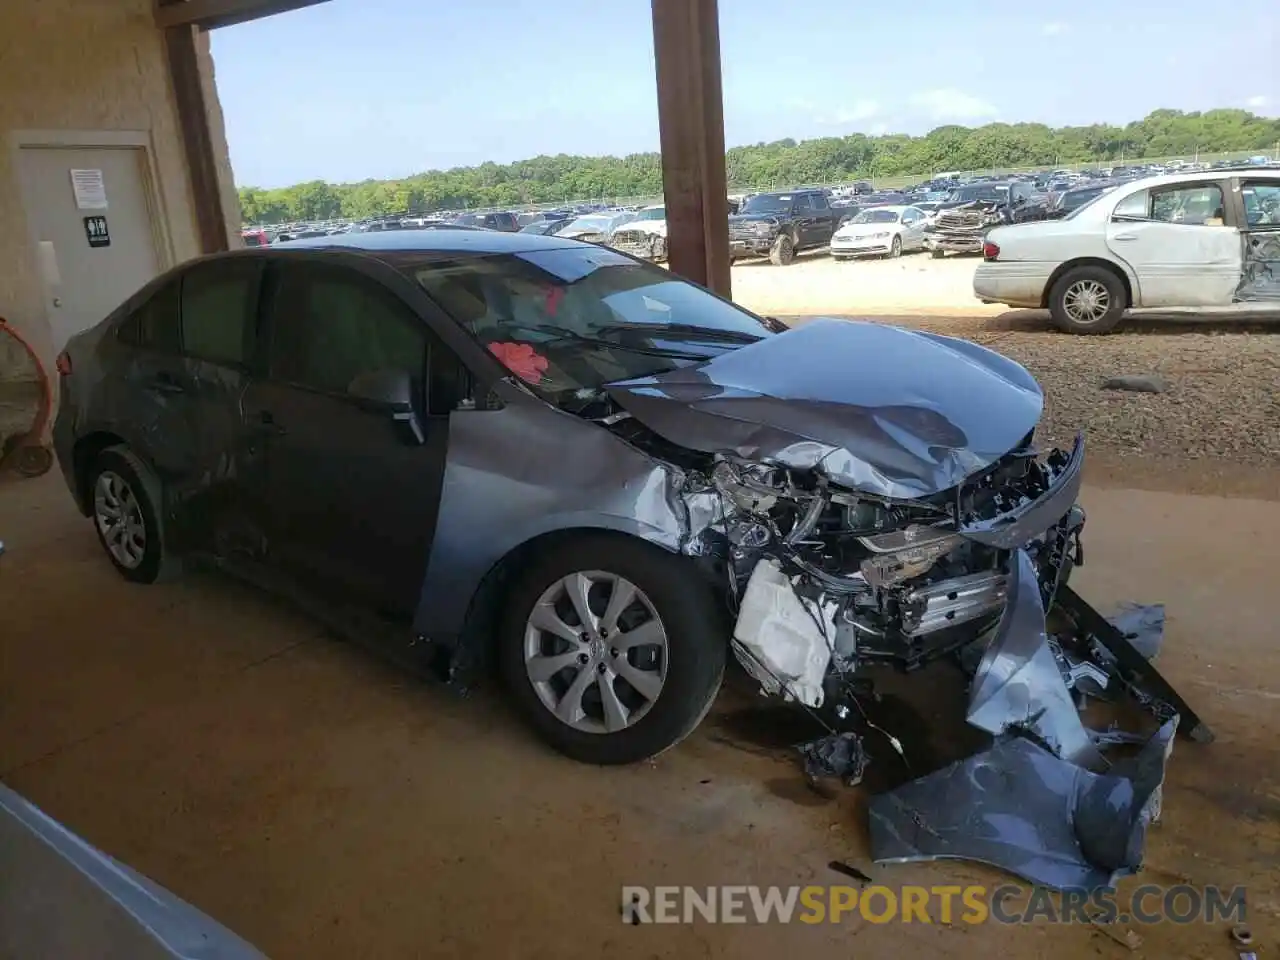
x=686, y=49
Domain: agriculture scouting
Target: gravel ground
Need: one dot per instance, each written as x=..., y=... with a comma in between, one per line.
x=1222, y=398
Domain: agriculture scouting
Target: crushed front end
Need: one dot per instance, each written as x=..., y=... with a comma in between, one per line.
x=962, y=229
x=831, y=582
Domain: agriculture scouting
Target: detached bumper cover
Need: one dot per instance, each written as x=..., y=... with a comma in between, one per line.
x=1018, y=807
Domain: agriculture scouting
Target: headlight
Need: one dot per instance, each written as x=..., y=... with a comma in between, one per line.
x=905, y=553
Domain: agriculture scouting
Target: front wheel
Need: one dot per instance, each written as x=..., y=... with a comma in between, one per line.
x=127, y=511
x=658, y=249
x=895, y=248
x=613, y=648
x=1089, y=300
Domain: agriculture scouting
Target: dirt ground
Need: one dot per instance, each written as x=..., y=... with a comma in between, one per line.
x=323, y=805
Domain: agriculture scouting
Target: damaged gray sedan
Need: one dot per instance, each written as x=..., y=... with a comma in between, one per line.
x=535, y=451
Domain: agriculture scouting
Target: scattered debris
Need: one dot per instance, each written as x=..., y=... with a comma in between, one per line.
x=1142, y=625
x=1136, y=383
x=839, y=755
x=1242, y=935
x=849, y=870
x=1121, y=935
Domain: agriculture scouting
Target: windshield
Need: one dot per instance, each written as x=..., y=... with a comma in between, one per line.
x=594, y=222
x=876, y=216
x=769, y=203
x=657, y=213
x=567, y=321
x=1078, y=198
x=980, y=191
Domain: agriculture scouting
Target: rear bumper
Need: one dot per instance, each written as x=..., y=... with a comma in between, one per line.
x=1016, y=283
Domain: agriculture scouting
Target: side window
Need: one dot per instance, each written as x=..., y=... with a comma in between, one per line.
x=819, y=202
x=1136, y=206
x=1261, y=202
x=154, y=325
x=330, y=325
x=1197, y=204
x=218, y=309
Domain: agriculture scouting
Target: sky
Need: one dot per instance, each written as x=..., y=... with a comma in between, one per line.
x=357, y=89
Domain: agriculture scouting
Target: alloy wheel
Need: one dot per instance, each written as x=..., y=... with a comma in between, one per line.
x=118, y=515
x=1086, y=302
x=596, y=652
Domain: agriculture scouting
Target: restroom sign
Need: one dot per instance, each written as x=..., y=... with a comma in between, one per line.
x=95, y=228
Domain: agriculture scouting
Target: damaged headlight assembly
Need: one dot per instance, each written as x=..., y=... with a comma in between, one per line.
x=836, y=580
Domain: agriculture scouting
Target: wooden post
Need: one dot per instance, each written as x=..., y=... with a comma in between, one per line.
x=686, y=50
x=197, y=139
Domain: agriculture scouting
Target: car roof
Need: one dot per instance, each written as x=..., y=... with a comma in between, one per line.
x=1203, y=176
x=474, y=242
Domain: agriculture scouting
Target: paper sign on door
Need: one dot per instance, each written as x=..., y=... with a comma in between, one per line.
x=90, y=189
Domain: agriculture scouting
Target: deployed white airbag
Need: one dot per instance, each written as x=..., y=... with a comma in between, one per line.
x=777, y=638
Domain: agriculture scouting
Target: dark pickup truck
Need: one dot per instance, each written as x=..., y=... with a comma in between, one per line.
x=780, y=225
x=964, y=219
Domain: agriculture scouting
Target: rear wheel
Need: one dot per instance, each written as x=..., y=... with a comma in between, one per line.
x=127, y=510
x=613, y=649
x=783, y=251
x=1088, y=300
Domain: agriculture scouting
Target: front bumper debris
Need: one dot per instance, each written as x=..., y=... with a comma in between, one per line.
x=1019, y=807
x=1044, y=802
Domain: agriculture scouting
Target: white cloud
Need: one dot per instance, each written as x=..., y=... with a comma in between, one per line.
x=1054, y=27
x=879, y=129
x=860, y=111
x=1257, y=102
x=953, y=105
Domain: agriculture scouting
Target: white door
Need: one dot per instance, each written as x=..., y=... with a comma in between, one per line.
x=1179, y=246
x=95, y=245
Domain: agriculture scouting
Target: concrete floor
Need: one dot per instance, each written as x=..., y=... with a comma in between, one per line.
x=322, y=805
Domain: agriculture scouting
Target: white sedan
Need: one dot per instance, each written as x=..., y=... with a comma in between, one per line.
x=880, y=232
x=1207, y=242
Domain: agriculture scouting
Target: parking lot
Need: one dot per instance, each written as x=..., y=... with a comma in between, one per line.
x=324, y=805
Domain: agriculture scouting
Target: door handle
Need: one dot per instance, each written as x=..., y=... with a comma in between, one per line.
x=266, y=425
x=1125, y=236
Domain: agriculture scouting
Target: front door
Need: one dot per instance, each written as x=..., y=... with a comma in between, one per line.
x=345, y=493
x=95, y=245
x=1180, y=245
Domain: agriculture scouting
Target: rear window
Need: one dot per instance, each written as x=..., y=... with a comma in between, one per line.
x=154, y=325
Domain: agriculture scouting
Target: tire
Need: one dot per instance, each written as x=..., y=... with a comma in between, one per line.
x=658, y=249
x=783, y=250
x=937, y=254
x=1076, y=304
x=895, y=248
x=691, y=663
x=154, y=561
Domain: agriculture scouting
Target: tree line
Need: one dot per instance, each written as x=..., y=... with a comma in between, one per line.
x=558, y=179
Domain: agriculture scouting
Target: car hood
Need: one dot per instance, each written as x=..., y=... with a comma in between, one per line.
x=866, y=229
x=883, y=410
x=658, y=227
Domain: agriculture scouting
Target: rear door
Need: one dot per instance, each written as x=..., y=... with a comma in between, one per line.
x=912, y=229
x=1179, y=243
x=345, y=493
x=188, y=348
x=1259, y=214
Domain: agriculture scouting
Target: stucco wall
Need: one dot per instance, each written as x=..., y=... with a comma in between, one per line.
x=87, y=65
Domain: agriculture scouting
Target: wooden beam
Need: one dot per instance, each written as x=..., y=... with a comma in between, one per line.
x=221, y=13
x=197, y=138
x=686, y=50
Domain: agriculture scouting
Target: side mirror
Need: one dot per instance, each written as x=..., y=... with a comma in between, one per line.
x=390, y=392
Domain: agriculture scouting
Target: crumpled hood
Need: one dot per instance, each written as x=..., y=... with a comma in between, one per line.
x=756, y=217
x=887, y=411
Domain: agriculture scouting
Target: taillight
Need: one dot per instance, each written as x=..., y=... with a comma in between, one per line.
x=63, y=364
x=990, y=251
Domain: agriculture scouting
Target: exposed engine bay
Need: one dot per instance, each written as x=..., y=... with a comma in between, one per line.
x=828, y=581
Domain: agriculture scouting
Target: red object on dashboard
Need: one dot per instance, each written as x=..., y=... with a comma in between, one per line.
x=521, y=359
